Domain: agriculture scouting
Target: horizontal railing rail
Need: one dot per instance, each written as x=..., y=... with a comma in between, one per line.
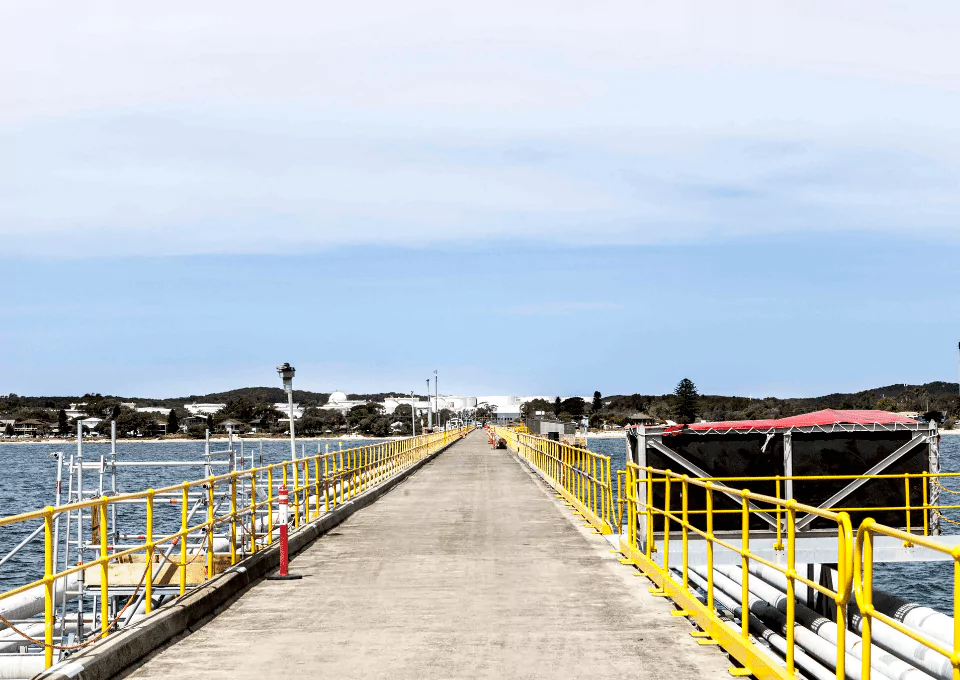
x=680, y=582
x=581, y=476
x=936, y=650
x=317, y=484
x=920, y=511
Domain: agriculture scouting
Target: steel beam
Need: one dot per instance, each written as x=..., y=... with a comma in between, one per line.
x=857, y=483
x=725, y=490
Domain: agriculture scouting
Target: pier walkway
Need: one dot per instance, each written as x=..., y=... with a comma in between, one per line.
x=471, y=568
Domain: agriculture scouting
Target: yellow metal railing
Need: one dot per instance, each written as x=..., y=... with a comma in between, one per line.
x=319, y=483
x=581, y=476
x=914, y=514
x=943, y=656
x=675, y=513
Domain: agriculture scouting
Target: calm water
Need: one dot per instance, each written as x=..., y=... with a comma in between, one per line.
x=29, y=476
x=926, y=583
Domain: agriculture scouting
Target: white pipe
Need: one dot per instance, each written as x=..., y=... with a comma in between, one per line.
x=11, y=641
x=809, y=665
x=880, y=661
x=891, y=663
x=821, y=649
x=933, y=623
x=30, y=602
x=21, y=666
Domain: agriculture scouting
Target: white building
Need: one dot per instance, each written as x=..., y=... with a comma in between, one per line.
x=204, y=409
x=75, y=411
x=458, y=403
x=284, y=408
x=338, y=401
x=390, y=404
x=154, y=409
x=91, y=423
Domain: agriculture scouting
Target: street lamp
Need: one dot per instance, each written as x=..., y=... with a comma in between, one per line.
x=287, y=372
x=429, y=408
x=413, y=415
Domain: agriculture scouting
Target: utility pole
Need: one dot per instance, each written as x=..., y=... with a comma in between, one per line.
x=429, y=407
x=413, y=415
x=286, y=372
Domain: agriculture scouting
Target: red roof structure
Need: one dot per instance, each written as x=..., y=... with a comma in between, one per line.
x=817, y=418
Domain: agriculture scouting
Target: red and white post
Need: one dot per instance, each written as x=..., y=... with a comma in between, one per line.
x=284, y=503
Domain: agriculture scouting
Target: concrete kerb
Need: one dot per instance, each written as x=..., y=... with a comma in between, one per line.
x=121, y=650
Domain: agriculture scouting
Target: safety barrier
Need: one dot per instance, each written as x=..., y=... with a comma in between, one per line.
x=316, y=485
x=934, y=641
x=579, y=475
x=674, y=581
x=918, y=513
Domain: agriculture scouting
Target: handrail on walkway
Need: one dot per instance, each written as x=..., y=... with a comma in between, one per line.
x=579, y=475
x=655, y=508
x=675, y=580
x=345, y=474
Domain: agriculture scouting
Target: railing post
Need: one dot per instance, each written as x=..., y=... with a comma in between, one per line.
x=253, y=511
x=233, y=518
x=148, y=579
x=666, y=521
x=326, y=484
x=709, y=513
x=296, y=495
x=906, y=493
x=745, y=566
x=316, y=486
x=104, y=572
x=270, y=505
x=48, y=591
x=684, y=491
x=844, y=567
x=649, y=512
x=609, y=498
x=791, y=589
x=184, y=525
x=779, y=513
x=210, y=483
x=866, y=614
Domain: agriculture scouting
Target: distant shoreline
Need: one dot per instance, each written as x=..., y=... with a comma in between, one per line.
x=612, y=434
x=181, y=440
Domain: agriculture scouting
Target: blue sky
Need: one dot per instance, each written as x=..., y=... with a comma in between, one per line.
x=784, y=316
x=758, y=196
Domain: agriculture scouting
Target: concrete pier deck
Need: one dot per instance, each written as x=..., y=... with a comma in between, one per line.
x=472, y=568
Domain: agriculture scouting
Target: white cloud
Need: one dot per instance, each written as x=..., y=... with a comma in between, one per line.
x=241, y=127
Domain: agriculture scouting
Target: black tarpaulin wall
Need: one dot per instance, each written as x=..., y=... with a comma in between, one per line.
x=814, y=454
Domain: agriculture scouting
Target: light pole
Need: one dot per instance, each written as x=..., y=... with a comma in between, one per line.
x=436, y=387
x=286, y=372
x=429, y=407
x=413, y=415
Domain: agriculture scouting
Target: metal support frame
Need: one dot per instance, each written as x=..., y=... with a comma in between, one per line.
x=787, y=465
x=637, y=454
x=933, y=489
x=857, y=483
x=725, y=490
